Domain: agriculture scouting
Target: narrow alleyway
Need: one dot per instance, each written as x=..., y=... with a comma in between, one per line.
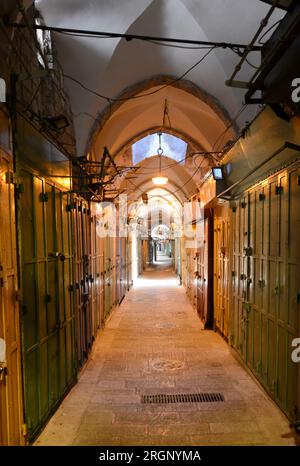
x=154, y=344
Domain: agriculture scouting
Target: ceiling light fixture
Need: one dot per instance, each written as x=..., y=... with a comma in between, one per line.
x=160, y=180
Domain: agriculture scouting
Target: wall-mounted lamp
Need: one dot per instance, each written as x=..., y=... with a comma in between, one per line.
x=218, y=173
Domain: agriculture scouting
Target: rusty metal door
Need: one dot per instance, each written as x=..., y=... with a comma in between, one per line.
x=47, y=304
x=11, y=400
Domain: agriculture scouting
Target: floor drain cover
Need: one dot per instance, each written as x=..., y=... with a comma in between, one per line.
x=183, y=398
x=168, y=365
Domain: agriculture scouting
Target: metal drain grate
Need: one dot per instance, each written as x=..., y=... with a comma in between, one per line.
x=183, y=398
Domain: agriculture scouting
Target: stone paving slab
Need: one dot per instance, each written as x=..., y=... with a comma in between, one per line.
x=154, y=344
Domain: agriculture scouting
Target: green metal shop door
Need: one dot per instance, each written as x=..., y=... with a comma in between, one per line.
x=47, y=305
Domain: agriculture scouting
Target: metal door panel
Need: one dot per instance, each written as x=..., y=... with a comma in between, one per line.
x=49, y=220
x=273, y=216
x=43, y=386
x=292, y=377
x=32, y=389
x=282, y=364
x=271, y=361
x=62, y=373
x=51, y=297
x=38, y=193
x=70, y=362
x=53, y=354
x=282, y=292
x=58, y=220
x=264, y=286
x=292, y=308
x=257, y=328
x=29, y=308
x=273, y=288
x=68, y=289
x=256, y=295
x=264, y=348
x=26, y=218
x=46, y=300
x=60, y=290
x=42, y=299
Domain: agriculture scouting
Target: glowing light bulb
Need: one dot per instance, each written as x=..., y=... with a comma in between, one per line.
x=160, y=180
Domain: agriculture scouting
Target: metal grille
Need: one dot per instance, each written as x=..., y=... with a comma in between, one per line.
x=183, y=398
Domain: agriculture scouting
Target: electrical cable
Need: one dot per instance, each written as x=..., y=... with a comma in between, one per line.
x=170, y=193
x=91, y=36
x=244, y=106
x=146, y=94
x=178, y=46
x=268, y=30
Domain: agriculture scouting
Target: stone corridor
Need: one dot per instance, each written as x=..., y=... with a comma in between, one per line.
x=154, y=344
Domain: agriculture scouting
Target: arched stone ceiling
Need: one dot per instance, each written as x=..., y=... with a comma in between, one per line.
x=111, y=65
x=187, y=116
x=183, y=180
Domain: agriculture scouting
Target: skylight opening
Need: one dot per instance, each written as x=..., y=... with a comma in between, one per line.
x=173, y=147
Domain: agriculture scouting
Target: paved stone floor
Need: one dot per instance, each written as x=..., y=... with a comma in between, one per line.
x=153, y=344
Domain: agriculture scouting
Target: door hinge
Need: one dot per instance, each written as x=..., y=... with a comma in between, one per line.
x=10, y=178
x=24, y=430
x=278, y=190
x=44, y=197
x=248, y=251
x=3, y=372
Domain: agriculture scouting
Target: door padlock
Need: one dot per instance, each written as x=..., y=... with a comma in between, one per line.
x=3, y=373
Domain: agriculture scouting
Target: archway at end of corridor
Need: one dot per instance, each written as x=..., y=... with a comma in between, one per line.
x=156, y=226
